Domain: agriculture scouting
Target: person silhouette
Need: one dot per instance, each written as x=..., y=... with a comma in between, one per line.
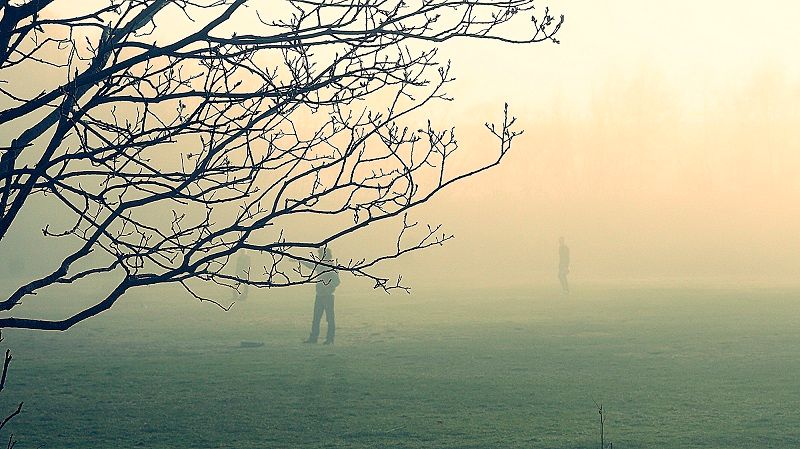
x=563, y=265
x=327, y=279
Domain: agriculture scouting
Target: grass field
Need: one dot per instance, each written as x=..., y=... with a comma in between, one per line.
x=674, y=368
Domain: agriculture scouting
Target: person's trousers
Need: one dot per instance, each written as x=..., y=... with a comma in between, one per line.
x=562, y=277
x=323, y=304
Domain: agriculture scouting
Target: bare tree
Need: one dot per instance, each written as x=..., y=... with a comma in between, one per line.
x=177, y=133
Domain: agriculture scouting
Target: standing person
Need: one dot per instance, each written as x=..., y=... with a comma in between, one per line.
x=327, y=280
x=563, y=265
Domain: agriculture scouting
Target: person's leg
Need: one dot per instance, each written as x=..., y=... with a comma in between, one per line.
x=330, y=316
x=562, y=277
x=319, y=307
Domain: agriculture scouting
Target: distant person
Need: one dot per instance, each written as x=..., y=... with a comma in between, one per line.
x=563, y=265
x=327, y=280
x=242, y=272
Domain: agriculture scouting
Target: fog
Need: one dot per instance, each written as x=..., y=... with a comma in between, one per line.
x=642, y=188
x=661, y=141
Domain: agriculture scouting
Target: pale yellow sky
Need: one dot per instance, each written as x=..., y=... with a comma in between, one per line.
x=661, y=142
x=699, y=47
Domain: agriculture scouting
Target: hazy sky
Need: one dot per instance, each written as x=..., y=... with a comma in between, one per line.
x=700, y=47
x=661, y=141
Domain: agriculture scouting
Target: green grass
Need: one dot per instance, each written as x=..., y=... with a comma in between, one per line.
x=674, y=368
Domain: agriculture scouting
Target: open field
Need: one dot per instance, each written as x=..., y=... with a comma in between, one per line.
x=675, y=368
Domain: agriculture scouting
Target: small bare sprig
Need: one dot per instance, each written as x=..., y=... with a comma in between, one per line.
x=3, y=377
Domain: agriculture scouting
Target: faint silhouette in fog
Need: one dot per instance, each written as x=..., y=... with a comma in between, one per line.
x=563, y=265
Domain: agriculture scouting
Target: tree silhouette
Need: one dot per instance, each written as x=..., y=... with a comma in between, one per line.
x=178, y=133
